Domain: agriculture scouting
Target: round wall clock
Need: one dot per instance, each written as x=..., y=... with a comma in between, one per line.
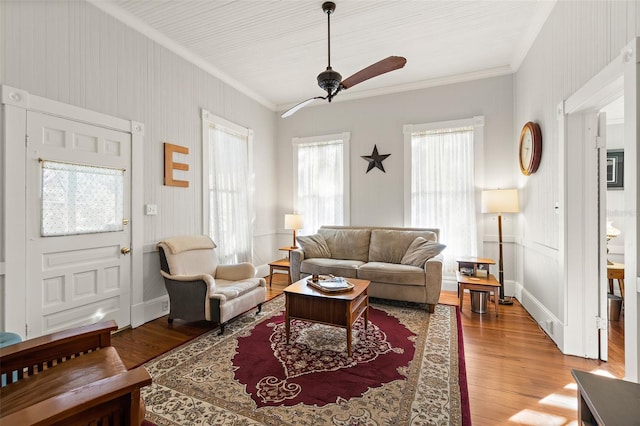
x=530, y=148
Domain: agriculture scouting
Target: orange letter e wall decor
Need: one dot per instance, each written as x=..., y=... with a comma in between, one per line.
x=170, y=166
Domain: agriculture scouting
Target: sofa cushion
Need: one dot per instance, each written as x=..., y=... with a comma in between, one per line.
x=420, y=251
x=337, y=267
x=392, y=273
x=390, y=245
x=347, y=243
x=314, y=246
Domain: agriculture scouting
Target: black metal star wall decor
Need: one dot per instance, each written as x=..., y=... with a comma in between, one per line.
x=375, y=159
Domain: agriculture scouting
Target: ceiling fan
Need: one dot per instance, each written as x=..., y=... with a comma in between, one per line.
x=331, y=81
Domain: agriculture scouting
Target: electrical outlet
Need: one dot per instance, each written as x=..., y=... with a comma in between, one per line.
x=165, y=306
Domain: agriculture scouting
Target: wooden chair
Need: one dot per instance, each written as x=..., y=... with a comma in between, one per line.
x=73, y=377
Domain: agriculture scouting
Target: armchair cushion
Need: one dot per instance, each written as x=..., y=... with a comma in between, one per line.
x=232, y=289
x=314, y=246
x=420, y=251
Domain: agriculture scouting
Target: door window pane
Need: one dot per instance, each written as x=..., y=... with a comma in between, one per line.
x=81, y=199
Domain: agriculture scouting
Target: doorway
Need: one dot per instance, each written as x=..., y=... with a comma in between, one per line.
x=614, y=231
x=57, y=279
x=78, y=234
x=583, y=275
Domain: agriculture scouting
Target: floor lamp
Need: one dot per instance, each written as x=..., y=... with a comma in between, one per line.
x=293, y=222
x=500, y=201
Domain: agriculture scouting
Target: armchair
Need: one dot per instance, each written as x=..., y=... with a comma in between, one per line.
x=72, y=377
x=201, y=289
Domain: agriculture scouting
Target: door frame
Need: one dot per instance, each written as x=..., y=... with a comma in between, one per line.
x=15, y=105
x=620, y=77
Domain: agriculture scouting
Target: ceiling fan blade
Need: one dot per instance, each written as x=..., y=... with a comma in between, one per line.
x=388, y=64
x=301, y=105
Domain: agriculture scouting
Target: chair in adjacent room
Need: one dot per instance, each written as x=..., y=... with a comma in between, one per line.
x=201, y=289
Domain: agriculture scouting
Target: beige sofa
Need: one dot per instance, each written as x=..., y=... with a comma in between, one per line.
x=375, y=254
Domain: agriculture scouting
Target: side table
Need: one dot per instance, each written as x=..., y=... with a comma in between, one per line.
x=487, y=284
x=282, y=265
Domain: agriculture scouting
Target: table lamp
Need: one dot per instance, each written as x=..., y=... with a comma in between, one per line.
x=294, y=222
x=500, y=201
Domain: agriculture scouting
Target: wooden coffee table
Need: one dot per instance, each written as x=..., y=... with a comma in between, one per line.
x=304, y=302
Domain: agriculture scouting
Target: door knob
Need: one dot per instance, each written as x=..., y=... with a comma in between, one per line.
x=125, y=250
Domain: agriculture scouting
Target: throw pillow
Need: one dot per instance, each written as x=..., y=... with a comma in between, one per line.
x=314, y=246
x=420, y=251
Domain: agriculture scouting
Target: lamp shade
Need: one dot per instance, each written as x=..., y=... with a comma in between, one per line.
x=293, y=221
x=500, y=201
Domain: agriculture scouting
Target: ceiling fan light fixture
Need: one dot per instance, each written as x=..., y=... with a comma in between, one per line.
x=329, y=80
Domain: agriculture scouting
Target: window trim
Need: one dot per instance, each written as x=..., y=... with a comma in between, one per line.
x=477, y=122
x=345, y=137
x=211, y=120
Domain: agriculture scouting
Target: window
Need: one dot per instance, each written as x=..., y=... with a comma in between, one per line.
x=80, y=199
x=227, y=186
x=321, y=183
x=440, y=183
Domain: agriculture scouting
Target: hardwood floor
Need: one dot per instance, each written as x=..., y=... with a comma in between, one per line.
x=515, y=372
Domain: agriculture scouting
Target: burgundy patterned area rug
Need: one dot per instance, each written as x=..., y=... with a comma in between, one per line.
x=407, y=367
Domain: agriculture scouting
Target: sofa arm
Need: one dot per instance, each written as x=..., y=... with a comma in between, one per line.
x=433, y=278
x=240, y=271
x=295, y=259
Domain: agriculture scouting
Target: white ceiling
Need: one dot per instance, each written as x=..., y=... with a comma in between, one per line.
x=273, y=50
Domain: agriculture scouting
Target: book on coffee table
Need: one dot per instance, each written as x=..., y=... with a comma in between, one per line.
x=331, y=284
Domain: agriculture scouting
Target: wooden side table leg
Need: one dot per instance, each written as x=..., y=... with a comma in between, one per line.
x=621, y=285
x=496, y=299
x=460, y=295
x=611, y=285
x=270, y=275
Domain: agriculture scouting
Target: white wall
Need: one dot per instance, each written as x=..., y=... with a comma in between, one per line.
x=72, y=52
x=578, y=40
x=377, y=197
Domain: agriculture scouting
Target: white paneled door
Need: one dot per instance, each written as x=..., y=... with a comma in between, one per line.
x=78, y=233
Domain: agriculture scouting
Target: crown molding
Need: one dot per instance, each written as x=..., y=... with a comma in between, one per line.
x=128, y=19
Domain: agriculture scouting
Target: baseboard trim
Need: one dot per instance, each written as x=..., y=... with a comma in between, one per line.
x=149, y=310
x=547, y=321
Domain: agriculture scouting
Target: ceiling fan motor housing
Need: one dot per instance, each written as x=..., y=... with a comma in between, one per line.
x=329, y=80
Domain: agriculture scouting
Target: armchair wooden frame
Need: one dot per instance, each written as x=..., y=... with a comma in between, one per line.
x=54, y=365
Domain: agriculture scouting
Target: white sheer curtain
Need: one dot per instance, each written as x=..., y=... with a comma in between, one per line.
x=320, y=184
x=230, y=212
x=443, y=190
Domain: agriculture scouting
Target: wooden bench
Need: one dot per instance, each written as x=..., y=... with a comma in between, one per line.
x=73, y=377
